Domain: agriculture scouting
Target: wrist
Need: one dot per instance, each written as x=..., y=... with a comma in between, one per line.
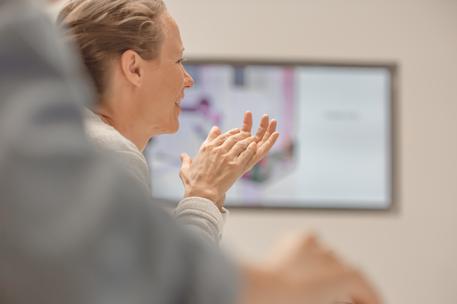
x=209, y=194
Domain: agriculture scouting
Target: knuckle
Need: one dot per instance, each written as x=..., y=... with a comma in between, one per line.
x=249, y=140
x=206, y=147
x=219, y=140
x=219, y=150
x=240, y=145
x=232, y=164
x=245, y=134
x=238, y=138
x=216, y=151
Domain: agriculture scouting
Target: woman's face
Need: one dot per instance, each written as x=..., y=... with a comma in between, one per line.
x=164, y=82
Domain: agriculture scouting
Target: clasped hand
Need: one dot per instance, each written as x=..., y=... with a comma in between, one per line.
x=224, y=158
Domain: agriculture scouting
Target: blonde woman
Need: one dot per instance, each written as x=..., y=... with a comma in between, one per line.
x=133, y=52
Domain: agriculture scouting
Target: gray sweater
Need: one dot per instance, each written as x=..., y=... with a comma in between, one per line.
x=199, y=214
x=74, y=228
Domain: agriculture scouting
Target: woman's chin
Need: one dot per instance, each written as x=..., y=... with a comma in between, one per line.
x=172, y=128
x=175, y=129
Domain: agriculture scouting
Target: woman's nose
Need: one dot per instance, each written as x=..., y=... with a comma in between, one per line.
x=188, y=80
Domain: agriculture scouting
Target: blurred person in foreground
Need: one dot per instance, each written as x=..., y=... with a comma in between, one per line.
x=133, y=51
x=75, y=228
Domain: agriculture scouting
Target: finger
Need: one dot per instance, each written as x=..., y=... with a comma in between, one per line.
x=311, y=239
x=223, y=137
x=240, y=146
x=213, y=133
x=247, y=122
x=266, y=146
x=186, y=162
x=310, y=243
x=271, y=129
x=263, y=149
x=263, y=126
x=246, y=156
x=233, y=140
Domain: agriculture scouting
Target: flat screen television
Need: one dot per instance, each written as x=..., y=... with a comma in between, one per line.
x=335, y=124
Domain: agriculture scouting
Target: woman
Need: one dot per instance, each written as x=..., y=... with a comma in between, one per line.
x=133, y=52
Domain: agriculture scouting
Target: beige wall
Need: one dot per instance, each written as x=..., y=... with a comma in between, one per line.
x=412, y=253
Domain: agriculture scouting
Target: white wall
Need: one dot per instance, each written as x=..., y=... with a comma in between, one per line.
x=411, y=253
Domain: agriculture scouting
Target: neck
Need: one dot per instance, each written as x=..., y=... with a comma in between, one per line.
x=125, y=123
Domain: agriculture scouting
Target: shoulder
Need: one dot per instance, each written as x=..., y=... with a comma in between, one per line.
x=106, y=137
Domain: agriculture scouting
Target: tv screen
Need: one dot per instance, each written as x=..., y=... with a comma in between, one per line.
x=334, y=149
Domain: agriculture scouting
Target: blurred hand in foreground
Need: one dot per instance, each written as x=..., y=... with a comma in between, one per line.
x=301, y=270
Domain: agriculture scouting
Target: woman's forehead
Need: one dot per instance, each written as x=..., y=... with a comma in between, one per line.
x=172, y=39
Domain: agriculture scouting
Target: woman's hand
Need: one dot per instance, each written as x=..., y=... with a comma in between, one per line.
x=265, y=137
x=221, y=160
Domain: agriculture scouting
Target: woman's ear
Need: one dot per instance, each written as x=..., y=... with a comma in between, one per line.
x=131, y=64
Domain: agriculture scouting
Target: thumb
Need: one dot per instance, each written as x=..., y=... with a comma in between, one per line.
x=186, y=161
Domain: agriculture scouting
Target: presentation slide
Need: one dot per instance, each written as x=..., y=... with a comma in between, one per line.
x=334, y=150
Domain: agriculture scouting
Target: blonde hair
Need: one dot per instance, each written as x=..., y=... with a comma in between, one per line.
x=103, y=29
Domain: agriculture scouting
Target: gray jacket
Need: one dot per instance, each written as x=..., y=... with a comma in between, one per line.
x=73, y=227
